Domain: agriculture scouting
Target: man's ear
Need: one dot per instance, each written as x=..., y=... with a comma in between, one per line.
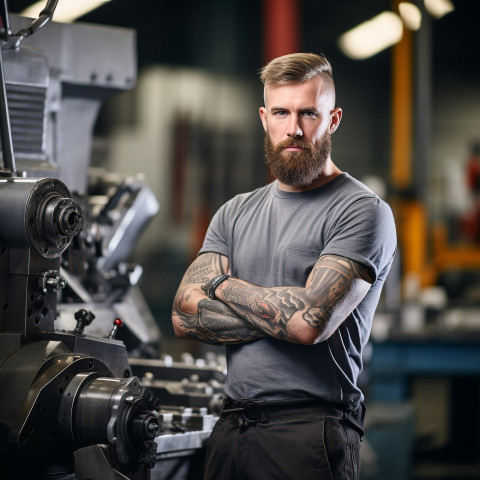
x=335, y=118
x=263, y=117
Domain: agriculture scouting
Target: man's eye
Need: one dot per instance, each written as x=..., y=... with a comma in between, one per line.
x=310, y=114
x=280, y=113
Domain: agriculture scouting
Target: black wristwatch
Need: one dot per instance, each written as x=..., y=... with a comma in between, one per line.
x=210, y=287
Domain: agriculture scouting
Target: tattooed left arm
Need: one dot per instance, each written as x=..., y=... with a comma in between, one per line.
x=304, y=315
x=196, y=316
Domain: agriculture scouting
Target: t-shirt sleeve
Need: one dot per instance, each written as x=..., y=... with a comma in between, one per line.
x=216, y=238
x=365, y=233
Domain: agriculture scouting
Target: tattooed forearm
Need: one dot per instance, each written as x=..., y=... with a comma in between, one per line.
x=214, y=323
x=335, y=286
x=266, y=309
x=209, y=321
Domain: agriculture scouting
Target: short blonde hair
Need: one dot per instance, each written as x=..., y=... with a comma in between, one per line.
x=295, y=68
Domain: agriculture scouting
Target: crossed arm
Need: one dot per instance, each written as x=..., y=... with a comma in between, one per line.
x=245, y=312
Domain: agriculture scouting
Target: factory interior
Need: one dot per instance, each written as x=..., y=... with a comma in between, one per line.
x=138, y=120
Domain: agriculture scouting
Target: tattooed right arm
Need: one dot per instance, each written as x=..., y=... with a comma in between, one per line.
x=194, y=315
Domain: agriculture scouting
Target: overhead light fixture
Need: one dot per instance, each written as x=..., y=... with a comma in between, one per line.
x=411, y=15
x=372, y=36
x=439, y=8
x=66, y=11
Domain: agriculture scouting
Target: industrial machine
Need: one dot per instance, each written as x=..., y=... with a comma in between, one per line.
x=69, y=402
x=84, y=393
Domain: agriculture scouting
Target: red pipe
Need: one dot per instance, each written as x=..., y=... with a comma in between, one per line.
x=281, y=26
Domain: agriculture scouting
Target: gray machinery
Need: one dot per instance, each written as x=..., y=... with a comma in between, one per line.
x=80, y=394
x=56, y=81
x=69, y=404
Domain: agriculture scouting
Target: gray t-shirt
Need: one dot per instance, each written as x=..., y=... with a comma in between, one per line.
x=274, y=238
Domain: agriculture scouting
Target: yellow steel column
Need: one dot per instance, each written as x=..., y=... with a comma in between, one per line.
x=409, y=208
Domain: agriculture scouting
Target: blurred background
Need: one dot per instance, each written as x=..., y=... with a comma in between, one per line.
x=410, y=130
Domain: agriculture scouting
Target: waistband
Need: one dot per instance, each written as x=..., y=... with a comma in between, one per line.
x=249, y=412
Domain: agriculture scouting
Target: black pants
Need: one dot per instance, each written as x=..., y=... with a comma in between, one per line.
x=294, y=446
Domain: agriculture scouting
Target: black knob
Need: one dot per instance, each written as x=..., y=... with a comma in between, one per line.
x=83, y=318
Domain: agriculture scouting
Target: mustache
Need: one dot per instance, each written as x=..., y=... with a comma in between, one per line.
x=293, y=142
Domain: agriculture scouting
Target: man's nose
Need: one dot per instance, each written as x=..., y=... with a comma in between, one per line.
x=294, y=129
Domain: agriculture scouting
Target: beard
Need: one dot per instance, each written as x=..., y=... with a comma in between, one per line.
x=298, y=169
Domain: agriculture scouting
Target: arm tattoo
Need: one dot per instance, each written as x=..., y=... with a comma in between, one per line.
x=209, y=321
x=331, y=281
x=346, y=267
x=215, y=323
x=270, y=309
x=265, y=308
x=206, y=267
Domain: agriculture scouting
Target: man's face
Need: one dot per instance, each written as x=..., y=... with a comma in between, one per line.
x=298, y=120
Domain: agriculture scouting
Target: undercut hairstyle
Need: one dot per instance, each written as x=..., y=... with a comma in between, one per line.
x=295, y=68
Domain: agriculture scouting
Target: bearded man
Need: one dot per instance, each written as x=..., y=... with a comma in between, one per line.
x=288, y=279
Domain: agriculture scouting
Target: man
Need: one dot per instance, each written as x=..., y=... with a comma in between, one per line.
x=288, y=278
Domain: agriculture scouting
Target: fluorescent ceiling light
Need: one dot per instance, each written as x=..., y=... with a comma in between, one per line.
x=67, y=10
x=372, y=36
x=439, y=8
x=411, y=15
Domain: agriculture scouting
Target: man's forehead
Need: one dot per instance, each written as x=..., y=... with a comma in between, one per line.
x=313, y=91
